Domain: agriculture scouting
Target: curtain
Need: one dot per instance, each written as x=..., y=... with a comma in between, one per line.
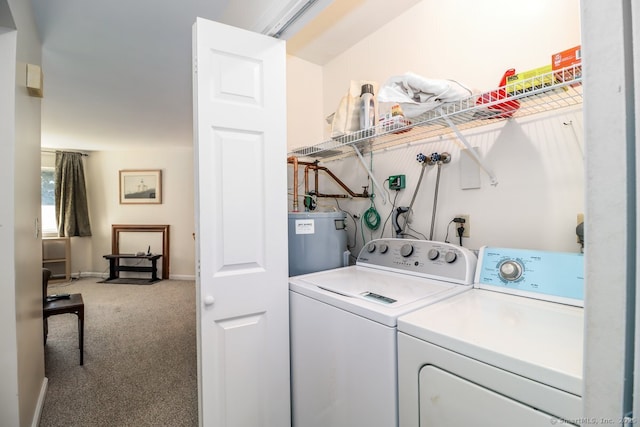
x=72, y=214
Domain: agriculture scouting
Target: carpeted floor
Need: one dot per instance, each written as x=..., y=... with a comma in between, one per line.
x=140, y=366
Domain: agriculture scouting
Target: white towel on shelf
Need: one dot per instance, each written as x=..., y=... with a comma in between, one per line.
x=418, y=94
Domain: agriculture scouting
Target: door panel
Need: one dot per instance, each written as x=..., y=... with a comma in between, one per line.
x=242, y=379
x=237, y=79
x=241, y=227
x=240, y=244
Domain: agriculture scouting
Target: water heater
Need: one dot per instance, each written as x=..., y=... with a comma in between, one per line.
x=317, y=241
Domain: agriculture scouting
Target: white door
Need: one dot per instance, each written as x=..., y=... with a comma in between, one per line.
x=241, y=227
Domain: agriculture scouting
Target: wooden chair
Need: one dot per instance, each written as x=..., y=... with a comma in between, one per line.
x=52, y=306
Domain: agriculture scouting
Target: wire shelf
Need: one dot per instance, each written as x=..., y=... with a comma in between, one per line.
x=542, y=93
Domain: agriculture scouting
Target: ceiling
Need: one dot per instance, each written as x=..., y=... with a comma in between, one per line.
x=117, y=74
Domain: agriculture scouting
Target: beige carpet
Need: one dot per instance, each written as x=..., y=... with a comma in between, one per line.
x=140, y=364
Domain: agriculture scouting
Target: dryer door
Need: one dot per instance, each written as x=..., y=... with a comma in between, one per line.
x=452, y=401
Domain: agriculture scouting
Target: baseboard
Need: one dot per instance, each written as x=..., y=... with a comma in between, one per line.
x=182, y=277
x=90, y=274
x=40, y=404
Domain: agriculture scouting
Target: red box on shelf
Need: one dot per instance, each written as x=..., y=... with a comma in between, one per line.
x=566, y=58
x=571, y=58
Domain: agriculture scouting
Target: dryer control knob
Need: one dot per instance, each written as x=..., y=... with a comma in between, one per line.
x=406, y=250
x=450, y=257
x=371, y=248
x=510, y=270
x=433, y=254
x=384, y=248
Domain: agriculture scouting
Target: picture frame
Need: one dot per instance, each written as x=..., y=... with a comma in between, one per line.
x=140, y=187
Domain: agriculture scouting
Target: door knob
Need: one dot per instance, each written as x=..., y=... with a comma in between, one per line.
x=209, y=300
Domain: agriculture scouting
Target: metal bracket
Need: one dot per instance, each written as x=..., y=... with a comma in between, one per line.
x=471, y=151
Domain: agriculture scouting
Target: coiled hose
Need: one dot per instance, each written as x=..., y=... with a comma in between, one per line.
x=371, y=217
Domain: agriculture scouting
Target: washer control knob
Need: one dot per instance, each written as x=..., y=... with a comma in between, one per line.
x=510, y=270
x=371, y=248
x=433, y=254
x=384, y=248
x=406, y=250
x=450, y=257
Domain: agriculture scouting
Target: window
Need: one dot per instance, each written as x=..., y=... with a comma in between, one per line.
x=47, y=191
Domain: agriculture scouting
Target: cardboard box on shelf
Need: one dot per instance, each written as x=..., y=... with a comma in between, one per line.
x=527, y=81
x=566, y=58
x=567, y=65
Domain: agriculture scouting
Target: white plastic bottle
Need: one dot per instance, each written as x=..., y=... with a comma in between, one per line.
x=367, y=108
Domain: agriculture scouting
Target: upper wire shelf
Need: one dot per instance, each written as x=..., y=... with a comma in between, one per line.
x=542, y=93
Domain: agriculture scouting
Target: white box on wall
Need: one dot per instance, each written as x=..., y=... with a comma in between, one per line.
x=34, y=80
x=469, y=170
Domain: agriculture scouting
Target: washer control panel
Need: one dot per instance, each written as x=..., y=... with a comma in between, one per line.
x=551, y=276
x=438, y=260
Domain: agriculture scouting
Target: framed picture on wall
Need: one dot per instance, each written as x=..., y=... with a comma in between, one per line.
x=140, y=186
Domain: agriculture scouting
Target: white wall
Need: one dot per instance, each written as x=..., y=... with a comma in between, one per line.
x=304, y=102
x=8, y=349
x=538, y=160
x=22, y=354
x=176, y=209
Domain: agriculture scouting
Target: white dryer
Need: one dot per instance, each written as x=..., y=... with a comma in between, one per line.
x=507, y=353
x=343, y=328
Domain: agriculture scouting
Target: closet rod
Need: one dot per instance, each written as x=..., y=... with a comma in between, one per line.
x=64, y=151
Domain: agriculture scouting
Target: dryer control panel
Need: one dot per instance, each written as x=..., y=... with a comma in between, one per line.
x=425, y=258
x=550, y=276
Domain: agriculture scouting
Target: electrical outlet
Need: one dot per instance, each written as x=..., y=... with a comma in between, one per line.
x=397, y=182
x=467, y=225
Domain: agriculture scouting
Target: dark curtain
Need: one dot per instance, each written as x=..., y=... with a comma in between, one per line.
x=72, y=214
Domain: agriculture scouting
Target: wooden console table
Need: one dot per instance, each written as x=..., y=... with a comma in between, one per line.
x=115, y=268
x=118, y=229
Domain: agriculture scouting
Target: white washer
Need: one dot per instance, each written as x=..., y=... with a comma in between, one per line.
x=343, y=328
x=508, y=352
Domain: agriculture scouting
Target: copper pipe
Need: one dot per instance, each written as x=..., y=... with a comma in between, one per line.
x=317, y=168
x=316, y=193
x=317, y=180
x=306, y=180
x=332, y=196
x=294, y=160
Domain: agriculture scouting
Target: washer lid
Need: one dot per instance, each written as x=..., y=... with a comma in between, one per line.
x=378, y=295
x=536, y=339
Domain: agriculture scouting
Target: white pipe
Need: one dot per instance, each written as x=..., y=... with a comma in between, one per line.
x=370, y=173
